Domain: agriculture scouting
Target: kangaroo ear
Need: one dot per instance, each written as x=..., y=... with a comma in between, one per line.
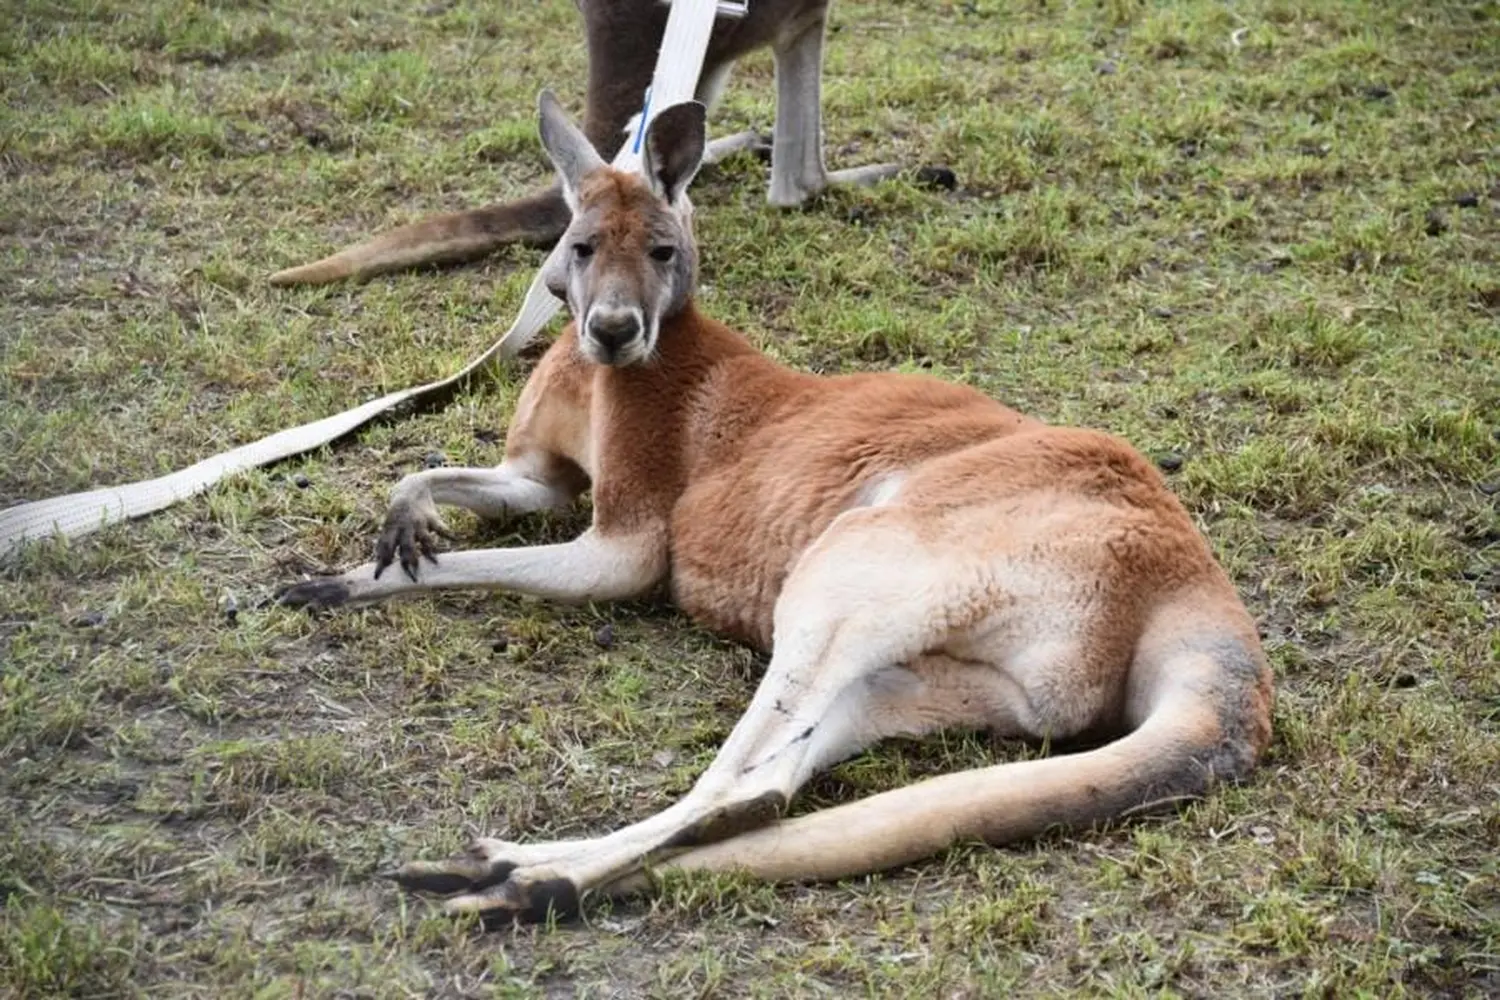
x=674, y=149
x=570, y=151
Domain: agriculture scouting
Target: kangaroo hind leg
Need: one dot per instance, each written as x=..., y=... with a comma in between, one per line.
x=857, y=607
x=797, y=166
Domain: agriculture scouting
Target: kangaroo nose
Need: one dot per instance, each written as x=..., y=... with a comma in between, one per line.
x=612, y=329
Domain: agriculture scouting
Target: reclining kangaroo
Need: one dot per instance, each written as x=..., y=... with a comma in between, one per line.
x=913, y=555
x=623, y=38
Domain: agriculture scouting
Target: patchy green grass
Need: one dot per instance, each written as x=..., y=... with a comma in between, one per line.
x=1259, y=239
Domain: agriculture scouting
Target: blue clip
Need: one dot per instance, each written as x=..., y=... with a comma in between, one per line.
x=640, y=133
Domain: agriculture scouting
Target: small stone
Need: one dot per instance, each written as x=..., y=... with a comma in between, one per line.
x=1436, y=224
x=605, y=637
x=937, y=178
x=1489, y=489
x=435, y=460
x=664, y=758
x=301, y=481
x=1467, y=200
x=1169, y=461
x=1161, y=312
x=1106, y=68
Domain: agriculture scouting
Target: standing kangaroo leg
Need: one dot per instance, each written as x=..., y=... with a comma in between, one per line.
x=797, y=170
x=710, y=89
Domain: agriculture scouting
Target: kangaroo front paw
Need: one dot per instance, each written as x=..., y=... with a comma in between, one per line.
x=412, y=528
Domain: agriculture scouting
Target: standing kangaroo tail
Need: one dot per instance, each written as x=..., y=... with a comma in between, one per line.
x=1209, y=725
x=536, y=219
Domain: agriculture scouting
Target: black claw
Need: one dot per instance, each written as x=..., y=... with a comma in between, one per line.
x=437, y=883
x=505, y=902
x=314, y=595
x=448, y=883
x=384, y=553
x=499, y=872
x=558, y=897
x=409, y=540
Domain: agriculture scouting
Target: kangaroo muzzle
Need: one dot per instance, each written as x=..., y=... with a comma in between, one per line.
x=615, y=335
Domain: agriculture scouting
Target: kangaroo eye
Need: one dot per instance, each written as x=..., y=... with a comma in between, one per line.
x=582, y=251
x=663, y=253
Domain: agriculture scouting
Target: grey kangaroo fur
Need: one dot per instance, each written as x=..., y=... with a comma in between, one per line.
x=623, y=38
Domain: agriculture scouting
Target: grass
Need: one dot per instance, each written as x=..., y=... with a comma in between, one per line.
x=1257, y=239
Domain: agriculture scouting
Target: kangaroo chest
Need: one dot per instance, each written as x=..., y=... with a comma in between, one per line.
x=759, y=462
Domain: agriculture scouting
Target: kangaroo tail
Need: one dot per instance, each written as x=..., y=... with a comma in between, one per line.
x=536, y=219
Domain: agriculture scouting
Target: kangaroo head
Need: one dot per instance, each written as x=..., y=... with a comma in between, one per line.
x=628, y=260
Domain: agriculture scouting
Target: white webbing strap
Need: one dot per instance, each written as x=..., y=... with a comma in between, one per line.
x=678, y=65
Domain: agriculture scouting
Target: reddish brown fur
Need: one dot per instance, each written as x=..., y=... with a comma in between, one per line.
x=738, y=502
x=913, y=554
x=744, y=462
